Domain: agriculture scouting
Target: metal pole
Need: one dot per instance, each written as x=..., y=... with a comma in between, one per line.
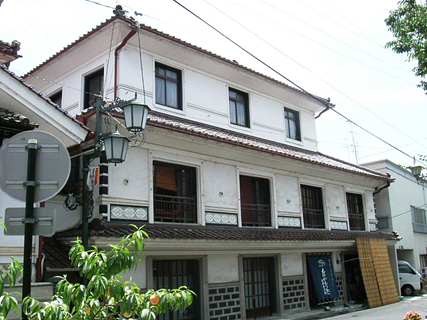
x=85, y=206
x=29, y=221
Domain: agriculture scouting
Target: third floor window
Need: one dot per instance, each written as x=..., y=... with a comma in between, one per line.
x=239, y=107
x=94, y=86
x=292, y=124
x=419, y=219
x=168, y=86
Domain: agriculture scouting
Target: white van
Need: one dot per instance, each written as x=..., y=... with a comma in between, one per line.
x=410, y=279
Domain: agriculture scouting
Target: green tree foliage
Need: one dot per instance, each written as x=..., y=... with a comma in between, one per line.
x=11, y=274
x=408, y=23
x=107, y=295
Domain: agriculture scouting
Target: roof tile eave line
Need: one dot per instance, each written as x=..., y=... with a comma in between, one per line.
x=325, y=102
x=177, y=124
x=42, y=96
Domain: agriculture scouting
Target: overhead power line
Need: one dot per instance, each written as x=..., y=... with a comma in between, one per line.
x=281, y=52
x=293, y=83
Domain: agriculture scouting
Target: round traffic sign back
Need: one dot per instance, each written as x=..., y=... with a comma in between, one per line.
x=52, y=165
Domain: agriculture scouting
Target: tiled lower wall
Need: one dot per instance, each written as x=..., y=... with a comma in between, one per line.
x=224, y=301
x=340, y=284
x=293, y=294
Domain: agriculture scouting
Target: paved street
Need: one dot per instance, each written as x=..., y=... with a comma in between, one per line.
x=394, y=311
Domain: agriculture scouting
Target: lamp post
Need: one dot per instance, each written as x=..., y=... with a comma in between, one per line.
x=114, y=144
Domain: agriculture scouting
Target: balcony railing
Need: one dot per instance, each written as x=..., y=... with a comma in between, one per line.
x=175, y=209
x=356, y=221
x=256, y=215
x=313, y=218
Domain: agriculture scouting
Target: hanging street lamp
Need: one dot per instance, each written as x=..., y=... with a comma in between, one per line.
x=113, y=143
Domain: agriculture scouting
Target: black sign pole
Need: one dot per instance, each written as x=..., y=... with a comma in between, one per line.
x=29, y=220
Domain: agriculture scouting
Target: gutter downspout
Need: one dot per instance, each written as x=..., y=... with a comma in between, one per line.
x=84, y=117
x=116, y=60
x=378, y=190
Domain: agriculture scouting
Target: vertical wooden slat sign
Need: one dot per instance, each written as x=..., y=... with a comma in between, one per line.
x=376, y=271
x=383, y=271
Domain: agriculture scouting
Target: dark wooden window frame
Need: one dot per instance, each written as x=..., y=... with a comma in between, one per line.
x=356, y=215
x=312, y=207
x=292, y=120
x=177, y=273
x=177, y=81
x=175, y=193
x=93, y=87
x=56, y=97
x=255, y=201
x=241, y=98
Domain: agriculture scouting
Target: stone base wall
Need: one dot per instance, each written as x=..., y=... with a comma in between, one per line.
x=294, y=294
x=224, y=301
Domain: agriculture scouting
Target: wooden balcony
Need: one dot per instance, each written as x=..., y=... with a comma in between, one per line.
x=175, y=209
x=313, y=218
x=256, y=215
x=356, y=221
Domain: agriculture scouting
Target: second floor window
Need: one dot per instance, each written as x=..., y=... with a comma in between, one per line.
x=168, y=86
x=174, y=193
x=94, y=86
x=239, y=108
x=255, y=201
x=312, y=207
x=355, y=211
x=57, y=98
x=292, y=124
x=419, y=219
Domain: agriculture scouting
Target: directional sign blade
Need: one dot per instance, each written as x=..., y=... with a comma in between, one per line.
x=44, y=221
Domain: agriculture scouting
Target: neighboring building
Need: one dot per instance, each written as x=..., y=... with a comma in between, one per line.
x=9, y=52
x=22, y=108
x=402, y=208
x=236, y=198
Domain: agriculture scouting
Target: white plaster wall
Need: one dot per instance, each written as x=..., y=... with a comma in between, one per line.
x=403, y=194
x=308, y=130
x=223, y=268
x=292, y=264
x=219, y=179
x=137, y=275
x=420, y=248
x=268, y=114
x=369, y=205
x=335, y=202
x=210, y=106
x=130, y=181
x=287, y=193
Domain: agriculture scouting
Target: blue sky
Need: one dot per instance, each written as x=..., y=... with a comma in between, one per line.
x=331, y=48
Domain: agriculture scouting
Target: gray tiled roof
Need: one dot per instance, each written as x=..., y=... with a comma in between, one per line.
x=15, y=118
x=206, y=131
x=133, y=23
x=187, y=232
x=38, y=93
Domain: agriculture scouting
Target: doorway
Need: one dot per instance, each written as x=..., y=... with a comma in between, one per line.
x=171, y=274
x=260, y=287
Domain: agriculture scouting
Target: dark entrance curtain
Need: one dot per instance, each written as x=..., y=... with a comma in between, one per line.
x=323, y=278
